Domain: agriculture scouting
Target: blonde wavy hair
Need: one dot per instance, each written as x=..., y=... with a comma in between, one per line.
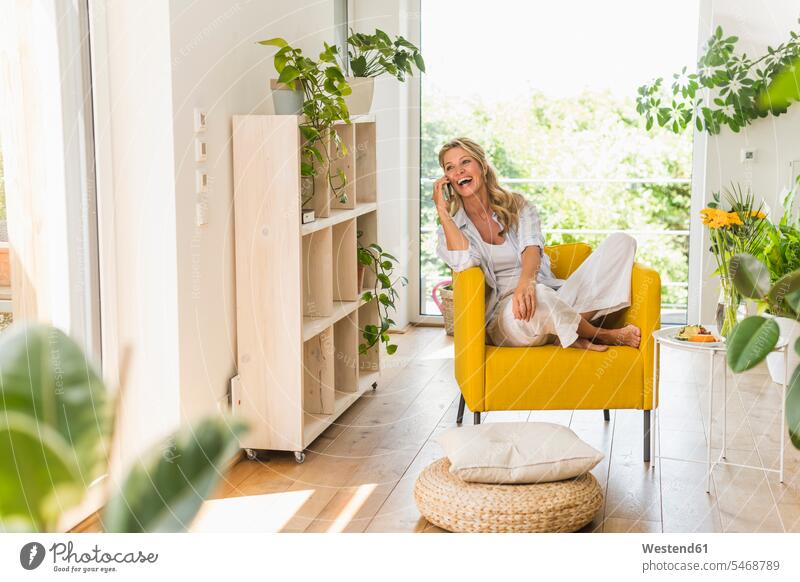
x=504, y=203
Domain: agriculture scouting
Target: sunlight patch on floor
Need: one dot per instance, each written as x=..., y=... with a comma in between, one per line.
x=444, y=353
x=250, y=513
x=351, y=509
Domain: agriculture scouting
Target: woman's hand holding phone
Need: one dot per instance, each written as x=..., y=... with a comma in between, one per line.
x=456, y=240
x=441, y=194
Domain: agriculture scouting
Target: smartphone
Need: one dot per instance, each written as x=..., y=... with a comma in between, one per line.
x=447, y=190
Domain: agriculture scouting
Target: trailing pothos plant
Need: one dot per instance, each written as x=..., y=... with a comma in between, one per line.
x=324, y=87
x=371, y=55
x=382, y=265
x=724, y=91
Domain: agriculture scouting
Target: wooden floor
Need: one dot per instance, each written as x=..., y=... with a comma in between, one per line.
x=359, y=474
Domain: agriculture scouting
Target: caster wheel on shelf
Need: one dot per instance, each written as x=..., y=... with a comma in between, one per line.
x=374, y=386
x=299, y=456
x=251, y=454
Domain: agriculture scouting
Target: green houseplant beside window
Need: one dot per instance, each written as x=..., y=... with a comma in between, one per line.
x=372, y=55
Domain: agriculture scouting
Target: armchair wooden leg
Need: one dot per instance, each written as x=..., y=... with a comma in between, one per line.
x=460, y=415
x=606, y=415
x=477, y=417
x=647, y=436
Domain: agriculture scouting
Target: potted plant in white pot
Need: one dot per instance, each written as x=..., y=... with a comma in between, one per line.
x=371, y=55
x=781, y=257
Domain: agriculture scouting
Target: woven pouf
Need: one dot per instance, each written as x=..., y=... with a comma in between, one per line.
x=455, y=505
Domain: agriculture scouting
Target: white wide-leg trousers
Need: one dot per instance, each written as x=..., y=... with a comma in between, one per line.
x=602, y=283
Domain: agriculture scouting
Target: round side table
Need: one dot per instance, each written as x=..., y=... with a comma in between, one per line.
x=666, y=337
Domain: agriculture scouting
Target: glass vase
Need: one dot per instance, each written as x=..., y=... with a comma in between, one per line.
x=727, y=307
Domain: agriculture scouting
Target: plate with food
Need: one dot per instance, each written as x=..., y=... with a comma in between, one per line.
x=699, y=335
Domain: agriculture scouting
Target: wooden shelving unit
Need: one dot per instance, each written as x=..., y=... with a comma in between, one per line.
x=298, y=306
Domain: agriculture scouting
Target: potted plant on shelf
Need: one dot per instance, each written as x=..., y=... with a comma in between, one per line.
x=740, y=229
x=323, y=87
x=371, y=55
x=382, y=265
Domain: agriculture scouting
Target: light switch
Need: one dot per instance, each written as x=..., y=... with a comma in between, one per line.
x=201, y=181
x=748, y=155
x=201, y=213
x=200, y=150
x=199, y=120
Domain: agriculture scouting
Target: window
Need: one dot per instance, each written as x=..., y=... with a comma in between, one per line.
x=48, y=200
x=549, y=91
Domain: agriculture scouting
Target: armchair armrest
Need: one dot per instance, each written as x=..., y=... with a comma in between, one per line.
x=469, y=312
x=645, y=313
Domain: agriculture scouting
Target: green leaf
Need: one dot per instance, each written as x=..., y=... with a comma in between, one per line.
x=785, y=286
x=419, y=62
x=309, y=133
x=165, y=488
x=385, y=282
x=793, y=408
x=288, y=74
x=750, y=276
x=366, y=296
x=45, y=376
x=784, y=89
x=391, y=349
x=358, y=66
x=39, y=477
x=277, y=41
x=382, y=36
x=750, y=342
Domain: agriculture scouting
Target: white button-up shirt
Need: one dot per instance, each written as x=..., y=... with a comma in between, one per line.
x=528, y=233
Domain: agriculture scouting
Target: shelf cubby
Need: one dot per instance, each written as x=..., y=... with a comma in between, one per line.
x=367, y=224
x=346, y=162
x=317, y=274
x=366, y=166
x=321, y=201
x=369, y=362
x=345, y=260
x=345, y=354
x=318, y=373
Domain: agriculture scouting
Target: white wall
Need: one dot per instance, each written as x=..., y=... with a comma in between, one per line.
x=169, y=285
x=776, y=139
x=217, y=66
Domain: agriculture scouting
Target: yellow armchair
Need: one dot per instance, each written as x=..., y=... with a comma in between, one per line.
x=551, y=377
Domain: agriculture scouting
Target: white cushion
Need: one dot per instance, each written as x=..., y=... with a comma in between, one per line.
x=517, y=452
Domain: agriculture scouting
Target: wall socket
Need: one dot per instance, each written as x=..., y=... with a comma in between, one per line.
x=200, y=150
x=199, y=120
x=748, y=155
x=201, y=181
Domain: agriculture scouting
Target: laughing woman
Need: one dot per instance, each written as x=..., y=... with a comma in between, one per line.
x=485, y=225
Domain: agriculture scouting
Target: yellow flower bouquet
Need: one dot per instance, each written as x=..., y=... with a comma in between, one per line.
x=741, y=229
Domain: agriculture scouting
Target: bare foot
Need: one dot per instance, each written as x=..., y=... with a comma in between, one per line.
x=584, y=344
x=630, y=335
